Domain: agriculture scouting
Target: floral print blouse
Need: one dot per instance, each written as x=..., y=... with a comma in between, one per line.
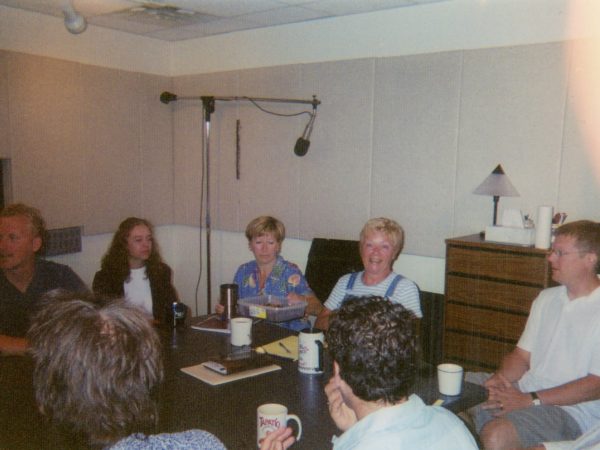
x=285, y=277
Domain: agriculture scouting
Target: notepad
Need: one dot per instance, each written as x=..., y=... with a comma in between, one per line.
x=215, y=379
x=278, y=348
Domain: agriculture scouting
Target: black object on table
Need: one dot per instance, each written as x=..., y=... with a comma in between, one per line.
x=227, y=410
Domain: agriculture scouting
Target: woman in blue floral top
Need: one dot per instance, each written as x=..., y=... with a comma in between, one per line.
x=269, y=273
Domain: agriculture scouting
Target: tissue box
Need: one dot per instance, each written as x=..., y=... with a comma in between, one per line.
x=510, y=235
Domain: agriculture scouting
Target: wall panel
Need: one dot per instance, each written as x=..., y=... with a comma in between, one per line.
x=579, y=182
x=188, y=157
x=512, y=110
x=48, y=149
x=270, y=170
x=335, y=174
x=111, y=133
x=4, y=113
x=156, y=149
x=413, y=167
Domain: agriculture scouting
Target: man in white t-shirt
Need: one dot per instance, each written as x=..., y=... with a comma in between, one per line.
x=548, y=387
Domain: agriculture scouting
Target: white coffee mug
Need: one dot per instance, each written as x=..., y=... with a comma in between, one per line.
x=272, y=416
x=241, y=331
x=450, y=379
x=310, y=351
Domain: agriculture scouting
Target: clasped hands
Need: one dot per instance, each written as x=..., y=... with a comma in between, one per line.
x=504, y=397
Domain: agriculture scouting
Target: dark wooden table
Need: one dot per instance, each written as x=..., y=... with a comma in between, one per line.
x=228, y=411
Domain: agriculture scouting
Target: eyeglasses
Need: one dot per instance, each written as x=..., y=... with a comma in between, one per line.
x=560, y=253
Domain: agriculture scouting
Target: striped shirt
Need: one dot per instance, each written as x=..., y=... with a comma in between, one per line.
x=406, y=292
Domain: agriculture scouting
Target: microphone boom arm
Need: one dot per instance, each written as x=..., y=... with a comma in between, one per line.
x=167, y=97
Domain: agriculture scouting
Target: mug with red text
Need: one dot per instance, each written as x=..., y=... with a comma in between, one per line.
x=272, y=416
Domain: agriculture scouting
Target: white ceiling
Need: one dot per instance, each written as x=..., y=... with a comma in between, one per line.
x=175, y=20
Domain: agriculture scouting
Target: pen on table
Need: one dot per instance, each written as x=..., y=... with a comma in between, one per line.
x=282, y=345
x=273, y=355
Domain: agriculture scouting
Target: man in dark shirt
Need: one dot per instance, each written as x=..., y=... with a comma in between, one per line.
x=24, y=277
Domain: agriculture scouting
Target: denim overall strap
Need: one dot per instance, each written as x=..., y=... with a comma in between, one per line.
x=392, y=287
x=350, y=285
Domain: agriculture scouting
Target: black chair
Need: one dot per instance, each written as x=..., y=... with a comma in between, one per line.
x=328, y=260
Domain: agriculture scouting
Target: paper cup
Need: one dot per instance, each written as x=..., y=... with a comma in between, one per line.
x=450, y=378
x=270, y=417
x=241, y=331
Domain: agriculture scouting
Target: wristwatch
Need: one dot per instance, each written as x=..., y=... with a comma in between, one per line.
x=535, y=399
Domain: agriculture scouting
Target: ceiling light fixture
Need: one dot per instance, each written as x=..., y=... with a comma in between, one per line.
x=75, y=23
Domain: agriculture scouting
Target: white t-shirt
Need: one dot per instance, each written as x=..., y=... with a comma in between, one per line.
x=137, y=289
x=406, y=292
x=563, y=339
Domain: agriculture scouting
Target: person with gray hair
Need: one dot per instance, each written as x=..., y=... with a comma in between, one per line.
x=381, y=241
x=24, y=276
x=96, y=365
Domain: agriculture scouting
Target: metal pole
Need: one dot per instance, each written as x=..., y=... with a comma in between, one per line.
x=208, y=108
x=208, y=103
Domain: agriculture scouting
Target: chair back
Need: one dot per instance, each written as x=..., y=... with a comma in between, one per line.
x=328, y=260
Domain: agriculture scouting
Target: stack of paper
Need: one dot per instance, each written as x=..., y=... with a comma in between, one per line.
x=284, y=348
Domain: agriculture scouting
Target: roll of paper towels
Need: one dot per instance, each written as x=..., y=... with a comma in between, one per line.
x=543, y=227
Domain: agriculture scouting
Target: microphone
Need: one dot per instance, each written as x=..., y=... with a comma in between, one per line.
x=302, y=144
x=167, y=97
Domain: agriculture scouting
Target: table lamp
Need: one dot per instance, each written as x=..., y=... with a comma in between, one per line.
x=497, y=185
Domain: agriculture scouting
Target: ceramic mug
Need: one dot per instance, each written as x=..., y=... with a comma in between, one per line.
x=272, y=416
x=241, y=331
x=310, y=351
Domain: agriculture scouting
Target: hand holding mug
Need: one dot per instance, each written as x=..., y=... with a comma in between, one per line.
x=271, y=417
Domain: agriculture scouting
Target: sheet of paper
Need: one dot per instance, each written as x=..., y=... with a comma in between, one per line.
x=284, y=348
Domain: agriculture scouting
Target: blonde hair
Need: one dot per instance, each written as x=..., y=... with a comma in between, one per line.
x=38, y=225
x=263, y=225
x=390, y=228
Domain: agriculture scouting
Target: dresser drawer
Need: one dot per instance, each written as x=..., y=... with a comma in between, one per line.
x=484, y=321
x=492, y=294
x=475, y=351
x=497, y=264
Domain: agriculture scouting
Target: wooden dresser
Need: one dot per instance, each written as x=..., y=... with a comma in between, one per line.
x=489, y=291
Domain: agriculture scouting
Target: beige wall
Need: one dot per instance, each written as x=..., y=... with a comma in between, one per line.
x=408, y=137
x=413, y=118
x=88, y=145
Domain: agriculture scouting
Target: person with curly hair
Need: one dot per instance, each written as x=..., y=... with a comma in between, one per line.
x=24, y=275
x=373, y=347
x=133, y=268
x=372, y=344
x=97, y=363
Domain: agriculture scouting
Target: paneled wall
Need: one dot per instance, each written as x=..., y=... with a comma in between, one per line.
x=407, y=137
x=88, y=145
